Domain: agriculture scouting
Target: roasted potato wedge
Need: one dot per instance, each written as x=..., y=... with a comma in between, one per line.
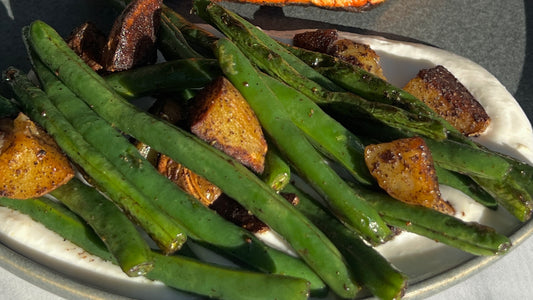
x=189, y=181
x=327, y=41
x=404, y=169
x=317, y=40
x=32, y=163
x=209, y=195
x=222, y=117
x=442, y=92
x=232, y=211
x=357, y=54
x=132, y=40
x=88, y=41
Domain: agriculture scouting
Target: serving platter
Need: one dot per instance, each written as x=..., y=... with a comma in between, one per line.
x=64, y=285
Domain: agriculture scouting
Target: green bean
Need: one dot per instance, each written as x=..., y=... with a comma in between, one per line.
x=372, y=87
x=171, y=76
x=119, y=234
x=505, y=179
x=515, y=191
x=7, y=108
x=334, y=140
x=204, y=9
x=116, y=148
x=198, y=38
x=464, y=159
x=362, y=82
x=295, y=146
x=367, y=265
x=466, y=185
x=225, y=283
x=183, y=273
x=235, y=179
x=171, y=42
x=277, y=173
x=521, y=174
x=164, y=79
x=346, y=103
x=328, y=135
x=38, y=107
x=168, y=193
x=470, y=237
x=59, y=219
x=515, y=198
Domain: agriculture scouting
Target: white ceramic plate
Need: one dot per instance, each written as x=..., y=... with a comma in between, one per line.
x=429, y=265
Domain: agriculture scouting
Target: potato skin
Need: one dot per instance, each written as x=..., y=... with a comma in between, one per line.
x=404, y=169
x=87, y=41
x=222, y=117
x=32, y=163
x=443, y=93
x=190, y=182
x=209, y=195
x=132, y=40
x=317, y=40
x=327, y=41
x=357, y=54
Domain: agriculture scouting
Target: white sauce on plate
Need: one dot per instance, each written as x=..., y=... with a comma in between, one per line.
x=510, y=133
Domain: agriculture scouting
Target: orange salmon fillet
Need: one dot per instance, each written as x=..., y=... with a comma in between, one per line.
x=330, y=4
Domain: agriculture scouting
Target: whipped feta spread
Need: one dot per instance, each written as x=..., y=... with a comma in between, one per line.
x=418, y=257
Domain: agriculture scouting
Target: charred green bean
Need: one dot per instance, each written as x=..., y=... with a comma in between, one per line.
x=470, y=237
x=277, y=173
x=275, y=64
x=244, y=186
x=61, y=220
x=183, y=273
x=171, y=76
x=38, y=106
x=225, y=283
x=466, y=185
x=7, y=108
x=295, y=146
x=119, y=234
x=368, y=266
x=328, y=135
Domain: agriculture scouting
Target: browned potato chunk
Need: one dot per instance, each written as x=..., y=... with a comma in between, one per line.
x=318, y=40
x=223, y=118
x=87, y=41
x=31, y=162
x=327, y=41
x=189, y=181
x=209, y=195
x=357, y=54
x=132, y=39
x=442, y=92
x=232, y=211
x=404, y=169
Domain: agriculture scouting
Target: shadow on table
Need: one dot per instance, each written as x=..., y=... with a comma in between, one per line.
x=268, y=17
x=524, y=93
x=61, y=15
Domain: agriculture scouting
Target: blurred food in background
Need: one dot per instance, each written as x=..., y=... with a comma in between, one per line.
x=349, y=5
